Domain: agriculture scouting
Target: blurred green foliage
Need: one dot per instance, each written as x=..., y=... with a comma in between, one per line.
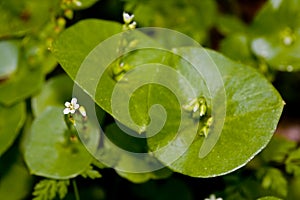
x=34, y=145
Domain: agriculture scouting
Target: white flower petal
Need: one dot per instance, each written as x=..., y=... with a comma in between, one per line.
x=125, y=15
x=132, y=25
x=67, y=104
x=67, y=111
x=73, y=101
x=76, y=106
x=78, y=3
x=127, y=18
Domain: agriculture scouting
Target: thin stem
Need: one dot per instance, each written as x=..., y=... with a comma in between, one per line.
x=77, y=197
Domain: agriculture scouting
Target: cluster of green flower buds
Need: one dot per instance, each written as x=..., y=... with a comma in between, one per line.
x=198, y=109
x=68, y=6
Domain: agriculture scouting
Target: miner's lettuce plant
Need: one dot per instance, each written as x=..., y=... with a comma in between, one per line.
x=50, y=141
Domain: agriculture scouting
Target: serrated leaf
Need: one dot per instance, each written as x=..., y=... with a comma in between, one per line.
x=48, y=189
x=91, y=173
x=62, y=188
x=45, y=189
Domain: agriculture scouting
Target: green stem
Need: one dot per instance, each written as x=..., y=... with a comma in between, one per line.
x=77, y=197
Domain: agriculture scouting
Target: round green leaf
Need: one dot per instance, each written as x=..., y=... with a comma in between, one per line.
x=230, y=24
x=12, y=120
x=53, y=94
x=236, y=47
x=253, y=106
x=48, y=151
x=9, y=56
x=23, y=84
x=77, y=41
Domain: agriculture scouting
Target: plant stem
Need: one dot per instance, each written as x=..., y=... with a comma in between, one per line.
x=77, y=197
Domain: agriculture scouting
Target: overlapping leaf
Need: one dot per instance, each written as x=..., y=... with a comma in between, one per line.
x=252, y=112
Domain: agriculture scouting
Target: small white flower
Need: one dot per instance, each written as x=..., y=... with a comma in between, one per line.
x=71, y=107
x=127, y=18
x=77, y=3
x=213, y=197
x=288, y=40
x=132, y=25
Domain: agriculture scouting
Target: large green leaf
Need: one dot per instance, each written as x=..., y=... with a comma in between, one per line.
x=12, y=120
x=78, y=41
x=49, y=151
x=253, y=106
